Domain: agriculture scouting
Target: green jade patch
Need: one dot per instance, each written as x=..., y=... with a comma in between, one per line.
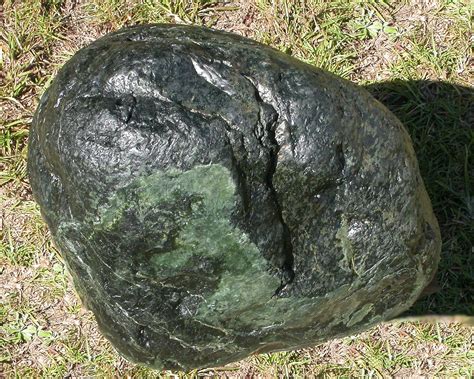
x=244, y=282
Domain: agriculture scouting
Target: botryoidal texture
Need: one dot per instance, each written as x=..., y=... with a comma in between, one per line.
x=214, y=198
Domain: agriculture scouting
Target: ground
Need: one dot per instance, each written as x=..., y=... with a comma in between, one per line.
x=413, y=55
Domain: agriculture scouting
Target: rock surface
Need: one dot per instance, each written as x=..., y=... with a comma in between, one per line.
x=215, y=198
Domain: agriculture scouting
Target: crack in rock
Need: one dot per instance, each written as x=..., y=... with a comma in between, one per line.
x=287, y=272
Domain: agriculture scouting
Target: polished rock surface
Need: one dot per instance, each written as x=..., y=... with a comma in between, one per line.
x=215, y=198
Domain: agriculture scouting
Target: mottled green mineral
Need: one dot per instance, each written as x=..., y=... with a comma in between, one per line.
x=215, y=198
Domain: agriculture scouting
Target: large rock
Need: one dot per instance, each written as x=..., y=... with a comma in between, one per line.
x=215, y=198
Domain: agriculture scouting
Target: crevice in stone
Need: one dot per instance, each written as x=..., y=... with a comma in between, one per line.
x=241, y=181
x=131, y=108
x=341, y=159
x=287, y=271
x=127, y=107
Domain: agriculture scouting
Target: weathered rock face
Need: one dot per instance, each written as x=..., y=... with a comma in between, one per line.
x=214, y=198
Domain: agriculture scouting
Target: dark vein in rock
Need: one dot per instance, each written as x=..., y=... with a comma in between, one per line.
x=287, y=271
x=341, y=159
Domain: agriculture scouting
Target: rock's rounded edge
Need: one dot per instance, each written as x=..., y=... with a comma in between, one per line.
x=47, y=178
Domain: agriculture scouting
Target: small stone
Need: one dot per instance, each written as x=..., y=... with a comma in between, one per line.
x=215, y=198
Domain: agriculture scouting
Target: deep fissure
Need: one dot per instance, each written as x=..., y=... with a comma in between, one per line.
x=287, y=271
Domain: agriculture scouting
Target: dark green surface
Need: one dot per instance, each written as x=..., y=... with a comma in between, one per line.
x=440, y=119
x=215, y=198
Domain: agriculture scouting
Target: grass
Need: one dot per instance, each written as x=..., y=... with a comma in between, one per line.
x=414, y=56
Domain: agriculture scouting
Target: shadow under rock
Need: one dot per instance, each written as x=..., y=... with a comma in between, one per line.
x=440, y=119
